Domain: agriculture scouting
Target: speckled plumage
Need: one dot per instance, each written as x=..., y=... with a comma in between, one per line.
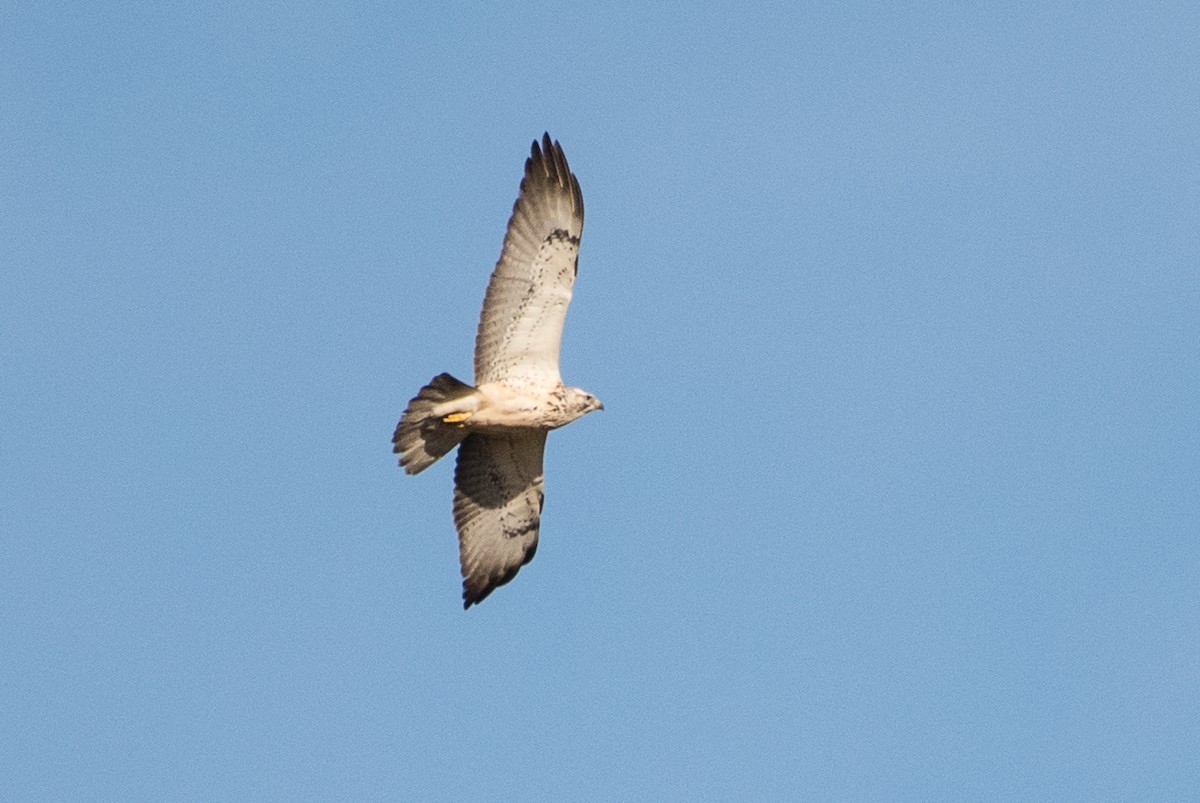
x=500, y=425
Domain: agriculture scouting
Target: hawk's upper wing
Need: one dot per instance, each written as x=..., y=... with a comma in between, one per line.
x=497, y=507
x=520, y=329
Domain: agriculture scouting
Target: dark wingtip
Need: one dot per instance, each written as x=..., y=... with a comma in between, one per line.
x=547, y=161
x=549, y=150
x=545, y=149
x=472, y=597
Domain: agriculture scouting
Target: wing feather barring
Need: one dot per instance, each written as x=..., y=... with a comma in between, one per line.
x=500, y=424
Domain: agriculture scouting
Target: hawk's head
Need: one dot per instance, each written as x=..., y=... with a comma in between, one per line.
x=580, y=402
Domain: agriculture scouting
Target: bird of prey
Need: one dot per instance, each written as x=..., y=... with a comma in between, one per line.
x=500, y=424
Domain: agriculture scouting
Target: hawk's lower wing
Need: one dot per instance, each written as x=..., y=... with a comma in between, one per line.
x=497, y=508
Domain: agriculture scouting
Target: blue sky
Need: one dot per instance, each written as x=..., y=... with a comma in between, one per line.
x=893, y=309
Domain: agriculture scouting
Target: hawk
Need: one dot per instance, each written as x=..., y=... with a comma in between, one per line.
x=500, y=424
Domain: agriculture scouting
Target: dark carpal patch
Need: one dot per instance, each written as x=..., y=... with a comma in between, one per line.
x=528, y=527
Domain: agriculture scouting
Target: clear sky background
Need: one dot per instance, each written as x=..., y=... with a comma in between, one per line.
x=894, y=309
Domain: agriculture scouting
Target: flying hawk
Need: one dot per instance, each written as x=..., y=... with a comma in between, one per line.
x=500, y=425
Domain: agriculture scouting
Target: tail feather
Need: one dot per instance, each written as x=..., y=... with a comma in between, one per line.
x=422, y=436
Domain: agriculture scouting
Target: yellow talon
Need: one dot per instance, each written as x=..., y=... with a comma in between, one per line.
x=455, y=418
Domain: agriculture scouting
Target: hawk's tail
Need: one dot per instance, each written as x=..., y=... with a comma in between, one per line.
x=423, y=435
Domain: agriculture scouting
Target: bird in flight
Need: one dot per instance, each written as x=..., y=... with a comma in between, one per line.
x=500, y=424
